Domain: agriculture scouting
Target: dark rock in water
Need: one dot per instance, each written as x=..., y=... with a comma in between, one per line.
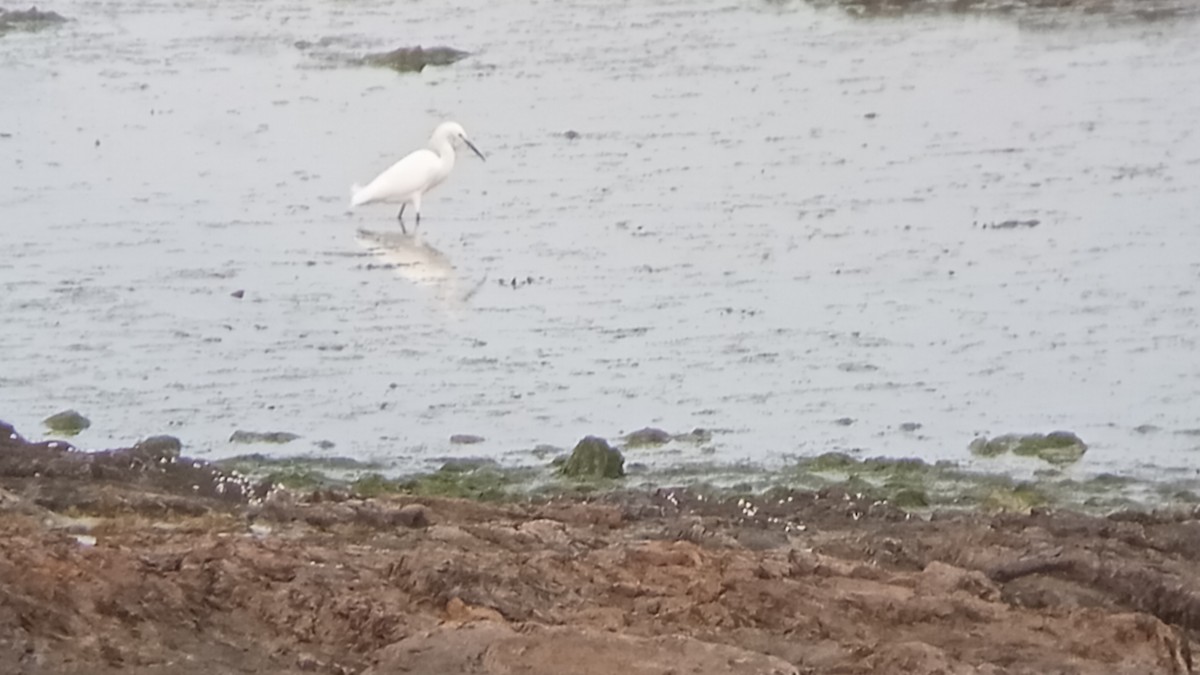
x=278, y=437
x=1011, y=224
x=910, y=426
x=414, y=59
x=28, y=19
x=68, y=422
x=594, y=458
x=466, y=439
x=464, y=464
x=159, y=447
x=696, y=435
x=571, y=134
x=646, y=436
x=1056, y=447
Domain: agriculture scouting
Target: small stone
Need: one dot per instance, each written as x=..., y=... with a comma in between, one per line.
x=910, y=426
x=308, y=663
x=239, y=294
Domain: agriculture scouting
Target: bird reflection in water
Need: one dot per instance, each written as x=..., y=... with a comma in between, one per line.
x=416, y=261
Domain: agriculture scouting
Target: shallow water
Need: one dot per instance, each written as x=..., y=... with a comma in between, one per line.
x=771, y=220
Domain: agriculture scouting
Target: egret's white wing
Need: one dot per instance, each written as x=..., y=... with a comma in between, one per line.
x=412, y=174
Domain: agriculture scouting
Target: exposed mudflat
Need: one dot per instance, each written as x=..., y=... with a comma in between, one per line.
x=109, y=566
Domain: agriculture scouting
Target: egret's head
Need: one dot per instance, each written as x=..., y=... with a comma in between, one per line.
x=453, y=131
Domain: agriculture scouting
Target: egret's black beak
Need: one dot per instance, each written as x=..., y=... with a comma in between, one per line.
x=474, y=149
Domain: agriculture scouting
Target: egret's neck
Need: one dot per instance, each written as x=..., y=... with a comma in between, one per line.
x=444, y=149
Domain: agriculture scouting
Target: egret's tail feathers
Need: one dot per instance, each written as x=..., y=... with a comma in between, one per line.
x=358, y=196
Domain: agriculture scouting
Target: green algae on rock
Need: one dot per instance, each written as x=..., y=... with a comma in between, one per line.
x=1056, y=447
x=593, y=457
x=482, y=483
x=1017, y=498
x=67, y=422
x=414, y=59
x=652, y=436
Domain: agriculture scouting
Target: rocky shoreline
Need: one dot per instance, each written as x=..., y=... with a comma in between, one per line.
x=139, y=561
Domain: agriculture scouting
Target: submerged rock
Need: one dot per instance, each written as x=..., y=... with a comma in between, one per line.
x=28, y=19
x=1056, y=447
x=696, y=435
x=68, y=422
x=414, y=59
x=646, y=436
x=653, y=436
x=594, y=458
x=277, y=437
x=466, y=439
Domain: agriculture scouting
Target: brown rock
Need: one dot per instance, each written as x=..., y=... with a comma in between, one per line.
x=413, y=515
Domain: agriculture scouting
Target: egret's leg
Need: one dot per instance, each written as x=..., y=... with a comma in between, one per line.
x=400, y=217
x=416, y=202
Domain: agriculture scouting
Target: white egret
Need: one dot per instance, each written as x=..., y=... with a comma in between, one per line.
x=409, y=179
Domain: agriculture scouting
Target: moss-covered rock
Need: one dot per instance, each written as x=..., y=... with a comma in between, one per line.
x=831, y=461
x=414, y=59
x=594, y=458
x=647, y=436
x=1019, y=498
x=910, y=498
x=1056, y=447
x=67, y=422
x=373, y=485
